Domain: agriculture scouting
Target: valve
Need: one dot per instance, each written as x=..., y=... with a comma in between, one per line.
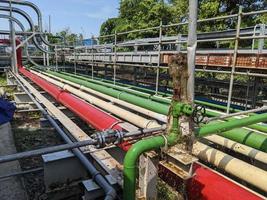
x=198, y=114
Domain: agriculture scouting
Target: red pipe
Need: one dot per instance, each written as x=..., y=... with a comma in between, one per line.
x=206, y=184
x=92, y=115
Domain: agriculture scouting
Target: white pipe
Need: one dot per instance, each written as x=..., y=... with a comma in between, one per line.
x=239, y=148
x=144, y=111
x=122, y=113
x=235, y=146
x=217, y=158
x=234, y=166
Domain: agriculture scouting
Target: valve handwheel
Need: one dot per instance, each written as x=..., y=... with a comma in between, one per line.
x=199, y=114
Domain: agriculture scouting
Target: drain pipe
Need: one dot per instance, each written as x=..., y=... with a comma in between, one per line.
x=96, y=175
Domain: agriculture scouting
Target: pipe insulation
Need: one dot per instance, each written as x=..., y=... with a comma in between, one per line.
x=244, y=136
x=252, y=175
x=234, y=146
x=154, y=115
x=122, y=113
x=166, y=101
x=199, y=151
x=98, y=120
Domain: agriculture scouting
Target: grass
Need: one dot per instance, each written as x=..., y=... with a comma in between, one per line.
x=165, y=192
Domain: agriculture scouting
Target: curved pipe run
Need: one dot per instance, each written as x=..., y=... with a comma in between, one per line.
x=38, y=12
x=23, y=29
x=31, y=24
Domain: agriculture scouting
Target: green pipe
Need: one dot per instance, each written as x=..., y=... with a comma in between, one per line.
x=117, y=83
x=137, y=100
x=132, y=156
x=231, y=131
x=124, y=87
x=237, y=136
x=142, y=146
x=168, y=101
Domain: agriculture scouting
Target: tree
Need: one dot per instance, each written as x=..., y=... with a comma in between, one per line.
x=136, y=14
x=67, y=36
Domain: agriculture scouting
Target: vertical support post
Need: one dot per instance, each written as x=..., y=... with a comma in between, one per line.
x=12, y=39
x=234, y=60
x=56, y=58
x=93, y=59
x=159, y=58
x=191, y=49
x=47, y=54
x=135, y=75
x=261, y=41
x=115, y=58
x=178, y=45
x=75, y=61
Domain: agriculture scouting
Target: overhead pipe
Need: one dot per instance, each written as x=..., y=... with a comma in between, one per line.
x=234, y=146
x=96, y=175
x=38, y=12
x=31, y=24
x=26, y=44
x=241, y=135
x=118, y=111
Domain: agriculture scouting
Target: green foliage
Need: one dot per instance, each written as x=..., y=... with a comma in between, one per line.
x=66, y=36
x=136, y=14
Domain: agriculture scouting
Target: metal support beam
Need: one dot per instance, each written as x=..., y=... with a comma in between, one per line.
x=234, y=60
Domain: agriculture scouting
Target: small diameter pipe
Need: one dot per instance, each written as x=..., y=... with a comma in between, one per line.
x=109, y=190
x=122, y=113
x=238, y=114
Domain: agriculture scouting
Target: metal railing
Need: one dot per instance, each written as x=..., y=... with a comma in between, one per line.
x=257, y=33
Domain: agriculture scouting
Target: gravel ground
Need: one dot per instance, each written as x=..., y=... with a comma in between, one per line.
x=29, y=136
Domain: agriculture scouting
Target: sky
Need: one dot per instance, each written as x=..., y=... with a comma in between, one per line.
x=81, y=16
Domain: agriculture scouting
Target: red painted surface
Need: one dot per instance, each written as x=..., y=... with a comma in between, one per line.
x=205, y=185
x=19, y=51
x=97, y=118
x=209, y=185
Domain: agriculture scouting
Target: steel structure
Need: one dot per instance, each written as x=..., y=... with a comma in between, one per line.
x=73, y=91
